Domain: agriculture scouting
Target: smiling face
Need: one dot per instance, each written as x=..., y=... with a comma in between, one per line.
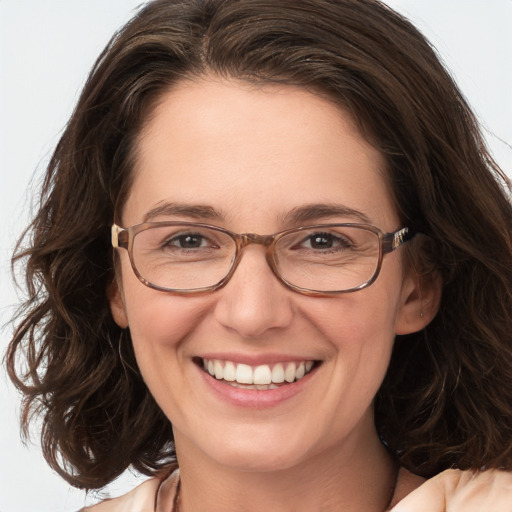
x=262, y=160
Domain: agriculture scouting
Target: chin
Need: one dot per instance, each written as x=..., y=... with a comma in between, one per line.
x=259, y=460
x=252, y=448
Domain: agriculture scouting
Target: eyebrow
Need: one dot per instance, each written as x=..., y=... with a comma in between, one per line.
x=318, y=211
x=196, y=211
x=302, y=214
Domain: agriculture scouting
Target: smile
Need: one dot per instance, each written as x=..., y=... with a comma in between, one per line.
x=261, y=377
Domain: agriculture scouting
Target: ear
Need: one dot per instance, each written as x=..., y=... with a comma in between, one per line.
x=421, y=297
x=117, y=307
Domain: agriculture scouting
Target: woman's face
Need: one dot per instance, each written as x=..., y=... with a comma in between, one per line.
x=262, y=159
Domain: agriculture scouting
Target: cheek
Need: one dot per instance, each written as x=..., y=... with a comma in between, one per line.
x=158, y=322
x=360, y=328
x=364, y=318
x=160, y=327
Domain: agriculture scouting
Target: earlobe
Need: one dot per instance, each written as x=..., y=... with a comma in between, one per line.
x=421, y=297
x=117, y=307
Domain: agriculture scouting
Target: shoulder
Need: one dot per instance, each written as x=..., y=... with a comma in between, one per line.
x=143, y=498
x=140, y=499
x=406, y=483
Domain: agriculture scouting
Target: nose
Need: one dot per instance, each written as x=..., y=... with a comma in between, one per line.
x=254, y=301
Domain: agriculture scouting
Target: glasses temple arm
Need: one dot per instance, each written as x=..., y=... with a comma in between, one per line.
x=392, y=241
x=119, y=237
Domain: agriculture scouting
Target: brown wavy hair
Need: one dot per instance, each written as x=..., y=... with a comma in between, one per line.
x=447, y=398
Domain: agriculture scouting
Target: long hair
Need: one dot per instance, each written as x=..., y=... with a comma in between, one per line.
x=446, y=400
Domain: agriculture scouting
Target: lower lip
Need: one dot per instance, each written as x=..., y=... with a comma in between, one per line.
x=254, y=398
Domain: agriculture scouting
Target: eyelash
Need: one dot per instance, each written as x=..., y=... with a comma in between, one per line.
x=338, y=241
x=177, y=239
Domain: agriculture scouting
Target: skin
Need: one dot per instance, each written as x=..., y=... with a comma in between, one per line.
x=461, y=491
x=253, y=155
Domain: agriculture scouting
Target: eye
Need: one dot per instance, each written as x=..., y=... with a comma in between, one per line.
x=326, y=241
x=189, y=241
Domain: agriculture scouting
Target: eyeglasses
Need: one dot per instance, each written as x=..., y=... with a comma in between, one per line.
x=320, y=260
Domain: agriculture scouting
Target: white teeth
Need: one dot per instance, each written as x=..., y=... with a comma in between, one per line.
x=289, y=373
x=242, y=386
x=219, y=372
x=229, y=371
x=278, y=373
x=262, y=377
x=260, y=387
x=243, y=374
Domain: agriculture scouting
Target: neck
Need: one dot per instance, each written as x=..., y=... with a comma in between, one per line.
x=358, y=477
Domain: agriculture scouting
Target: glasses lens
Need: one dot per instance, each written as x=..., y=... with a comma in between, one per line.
x=328, y=259
x=183, y=257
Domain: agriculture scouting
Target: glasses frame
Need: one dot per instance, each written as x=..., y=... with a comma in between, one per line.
x=388, y=242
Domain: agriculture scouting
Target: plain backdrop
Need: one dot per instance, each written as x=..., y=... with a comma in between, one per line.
x=46, y=50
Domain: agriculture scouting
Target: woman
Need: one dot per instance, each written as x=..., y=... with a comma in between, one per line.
x=367, y=352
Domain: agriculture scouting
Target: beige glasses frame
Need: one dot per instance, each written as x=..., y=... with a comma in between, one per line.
x=388, y=242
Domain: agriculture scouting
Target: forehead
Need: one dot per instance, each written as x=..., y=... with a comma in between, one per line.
x=254, y=151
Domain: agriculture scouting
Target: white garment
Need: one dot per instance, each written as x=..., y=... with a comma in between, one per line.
x=153, y=495
x=157, y=495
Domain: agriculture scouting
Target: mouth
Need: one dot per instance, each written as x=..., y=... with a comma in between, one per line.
x=262, y=377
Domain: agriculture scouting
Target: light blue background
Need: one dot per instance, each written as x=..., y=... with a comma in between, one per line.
x=46, y=50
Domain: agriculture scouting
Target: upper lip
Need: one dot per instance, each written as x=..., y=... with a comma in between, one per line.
x=256, y=359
